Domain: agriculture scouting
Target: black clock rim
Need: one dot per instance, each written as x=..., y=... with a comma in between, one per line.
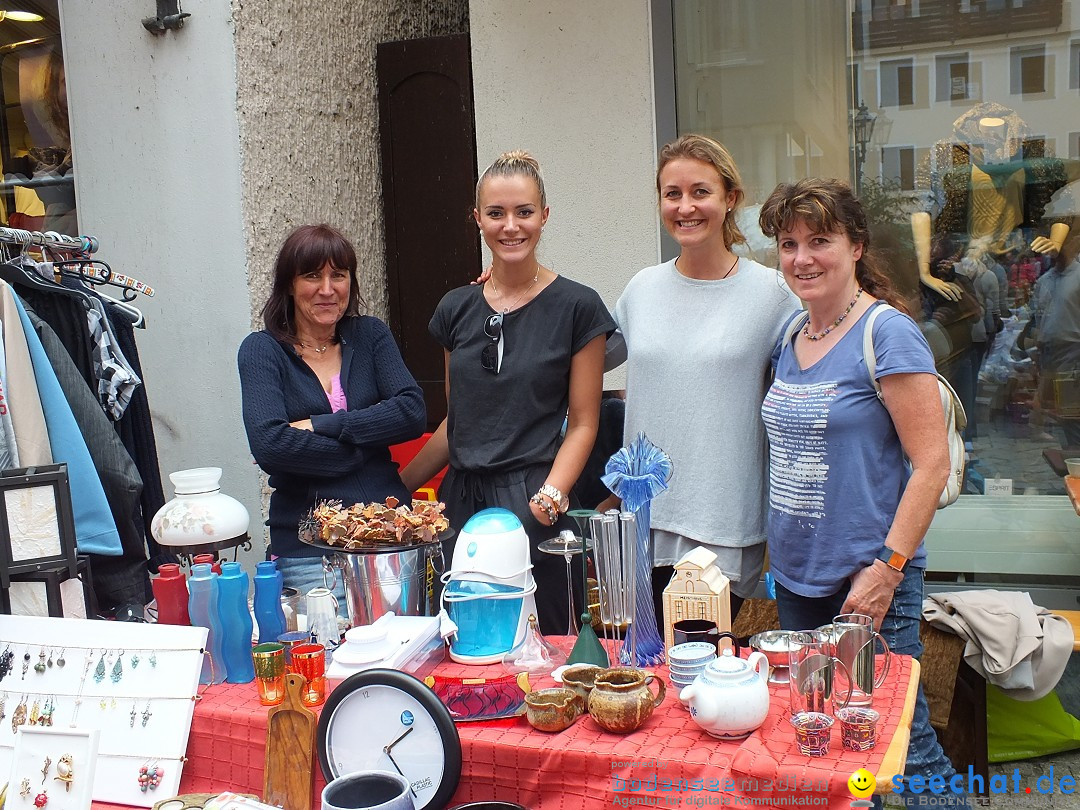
x=427, y=699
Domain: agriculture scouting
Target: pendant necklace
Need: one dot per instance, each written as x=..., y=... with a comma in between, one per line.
x=317, y=349
x=834, y=324
x=517, y=300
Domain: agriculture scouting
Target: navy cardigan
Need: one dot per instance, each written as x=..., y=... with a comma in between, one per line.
x=347, y=455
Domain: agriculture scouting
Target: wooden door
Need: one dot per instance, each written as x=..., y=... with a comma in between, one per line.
x=428, y=146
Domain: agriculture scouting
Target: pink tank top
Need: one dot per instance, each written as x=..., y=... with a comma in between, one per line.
x=336, y=395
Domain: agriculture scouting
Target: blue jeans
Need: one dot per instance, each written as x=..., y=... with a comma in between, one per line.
x=900, y=629
x=305, y=573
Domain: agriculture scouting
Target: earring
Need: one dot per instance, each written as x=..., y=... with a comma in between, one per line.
x=49, y=663
x=25, y=663
x=41, y=799
x=18, y=717
x=150, y=777
x=133, y=713
x=24, y=787
x=6, y=658
x=35, y=712
x=3, y=706
x=153, y=659
x=60, y=660
x=39, y=667
x=118, y=669
x=146, y=715
x=47, y=712
x=65, y=771
x=45, y=769
x=99, y=670
x=135, y=661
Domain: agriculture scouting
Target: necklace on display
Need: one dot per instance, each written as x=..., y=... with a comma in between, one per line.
x=834, y=324
x=517, y=300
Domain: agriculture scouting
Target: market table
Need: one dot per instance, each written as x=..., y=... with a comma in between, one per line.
x=585, y=767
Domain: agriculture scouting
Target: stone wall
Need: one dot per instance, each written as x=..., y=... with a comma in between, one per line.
x=309, y=122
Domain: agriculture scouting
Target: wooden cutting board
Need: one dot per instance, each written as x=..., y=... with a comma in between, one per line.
x=290, y=750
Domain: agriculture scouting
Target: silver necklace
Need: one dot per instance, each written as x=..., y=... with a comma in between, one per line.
x=317, y=349
x=517, y=300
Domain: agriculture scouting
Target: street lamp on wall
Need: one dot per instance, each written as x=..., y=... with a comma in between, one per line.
x=862, y=121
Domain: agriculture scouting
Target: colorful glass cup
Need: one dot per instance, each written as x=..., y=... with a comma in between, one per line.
x=269, y=662
x=292, y=639
x=813, y=732
x=858, y=728
x=309, y=660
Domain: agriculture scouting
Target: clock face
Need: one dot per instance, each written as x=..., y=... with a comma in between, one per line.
x=388, y=721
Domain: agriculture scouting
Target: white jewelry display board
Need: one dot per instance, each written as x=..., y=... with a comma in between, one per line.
x=53, y=768
x=136, y=684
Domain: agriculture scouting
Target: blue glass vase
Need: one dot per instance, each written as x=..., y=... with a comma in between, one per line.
x=268, y=612
x=236, y=625
x=203, y=611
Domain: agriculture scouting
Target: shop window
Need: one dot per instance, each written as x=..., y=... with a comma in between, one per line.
x=38, y=188
x=1074, y=65
x=1027, y=70
x=1074, y=146
x=953, y=77
x=897, y=83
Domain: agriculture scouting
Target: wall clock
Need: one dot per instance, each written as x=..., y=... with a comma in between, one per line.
x=386, y=720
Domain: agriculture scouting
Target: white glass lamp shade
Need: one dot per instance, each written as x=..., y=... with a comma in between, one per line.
x=200, y=513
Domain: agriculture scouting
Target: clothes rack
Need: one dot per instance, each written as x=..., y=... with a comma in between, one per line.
x=84, y=245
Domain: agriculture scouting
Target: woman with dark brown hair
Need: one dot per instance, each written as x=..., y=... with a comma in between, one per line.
x=325, y=393
x=847, y=514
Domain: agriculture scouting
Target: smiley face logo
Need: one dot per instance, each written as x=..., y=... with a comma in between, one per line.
x=862, y=784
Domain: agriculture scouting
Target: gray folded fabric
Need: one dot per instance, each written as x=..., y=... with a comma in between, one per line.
x=1012, y=642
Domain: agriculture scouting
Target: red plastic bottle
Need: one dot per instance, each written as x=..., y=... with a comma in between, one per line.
x=210, y=559
x=171, y=593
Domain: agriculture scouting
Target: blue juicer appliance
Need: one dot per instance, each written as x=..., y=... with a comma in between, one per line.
x=489, y=589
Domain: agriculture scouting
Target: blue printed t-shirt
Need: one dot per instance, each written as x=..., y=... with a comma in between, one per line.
x=836, y=468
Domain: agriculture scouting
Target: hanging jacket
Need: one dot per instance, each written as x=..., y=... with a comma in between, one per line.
x=24, y=401
x=95, y=531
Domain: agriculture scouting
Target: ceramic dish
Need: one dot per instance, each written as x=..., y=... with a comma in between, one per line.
x=692, y=652
x=470, y=699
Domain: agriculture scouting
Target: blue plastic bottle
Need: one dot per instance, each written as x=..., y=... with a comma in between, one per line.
x=236, y=623
x=268, y=612
x=203, y=611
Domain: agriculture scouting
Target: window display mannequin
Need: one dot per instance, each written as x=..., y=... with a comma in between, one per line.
x=990, y=181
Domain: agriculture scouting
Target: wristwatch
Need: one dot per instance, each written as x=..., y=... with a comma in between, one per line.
x=894, y=559
x=562, y=503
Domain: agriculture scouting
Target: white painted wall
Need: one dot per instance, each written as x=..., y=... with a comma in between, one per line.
x=572, y=82
x=156, y=151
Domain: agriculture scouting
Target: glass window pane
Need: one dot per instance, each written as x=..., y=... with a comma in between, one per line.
x=975, y=131
x=38, y=187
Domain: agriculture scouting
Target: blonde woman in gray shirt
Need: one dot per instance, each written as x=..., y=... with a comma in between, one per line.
x=699, y=334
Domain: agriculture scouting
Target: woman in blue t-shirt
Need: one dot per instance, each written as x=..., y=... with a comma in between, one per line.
x=846, y=515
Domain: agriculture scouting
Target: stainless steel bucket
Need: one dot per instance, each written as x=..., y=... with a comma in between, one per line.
x=398, y=580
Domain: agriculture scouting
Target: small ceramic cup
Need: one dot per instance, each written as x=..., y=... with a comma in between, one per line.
x=858, y=728
x=368, y=790
x=813, y=732
x=553, y=709
x=580, y=679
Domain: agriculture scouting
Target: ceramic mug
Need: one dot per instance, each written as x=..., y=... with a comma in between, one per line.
x=553, y=709
x=368, y=790
x=322, y=617
x=621, y=699
x=580, y=678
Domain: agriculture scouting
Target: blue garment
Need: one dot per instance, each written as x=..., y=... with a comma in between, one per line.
x=95, y=531
x=900, y=629
x=836, y=467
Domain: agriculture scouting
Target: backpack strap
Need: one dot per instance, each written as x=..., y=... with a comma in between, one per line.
x=869, y=356
x=794, y=325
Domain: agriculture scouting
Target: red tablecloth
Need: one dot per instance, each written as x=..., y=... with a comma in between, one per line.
x=584, y=767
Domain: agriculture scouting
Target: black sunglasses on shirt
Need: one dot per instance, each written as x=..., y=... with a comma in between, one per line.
x=489, y=357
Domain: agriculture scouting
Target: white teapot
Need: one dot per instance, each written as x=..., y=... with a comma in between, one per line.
x=730, y=698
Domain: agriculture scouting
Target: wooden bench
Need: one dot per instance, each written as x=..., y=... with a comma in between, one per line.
x=1073, y=617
